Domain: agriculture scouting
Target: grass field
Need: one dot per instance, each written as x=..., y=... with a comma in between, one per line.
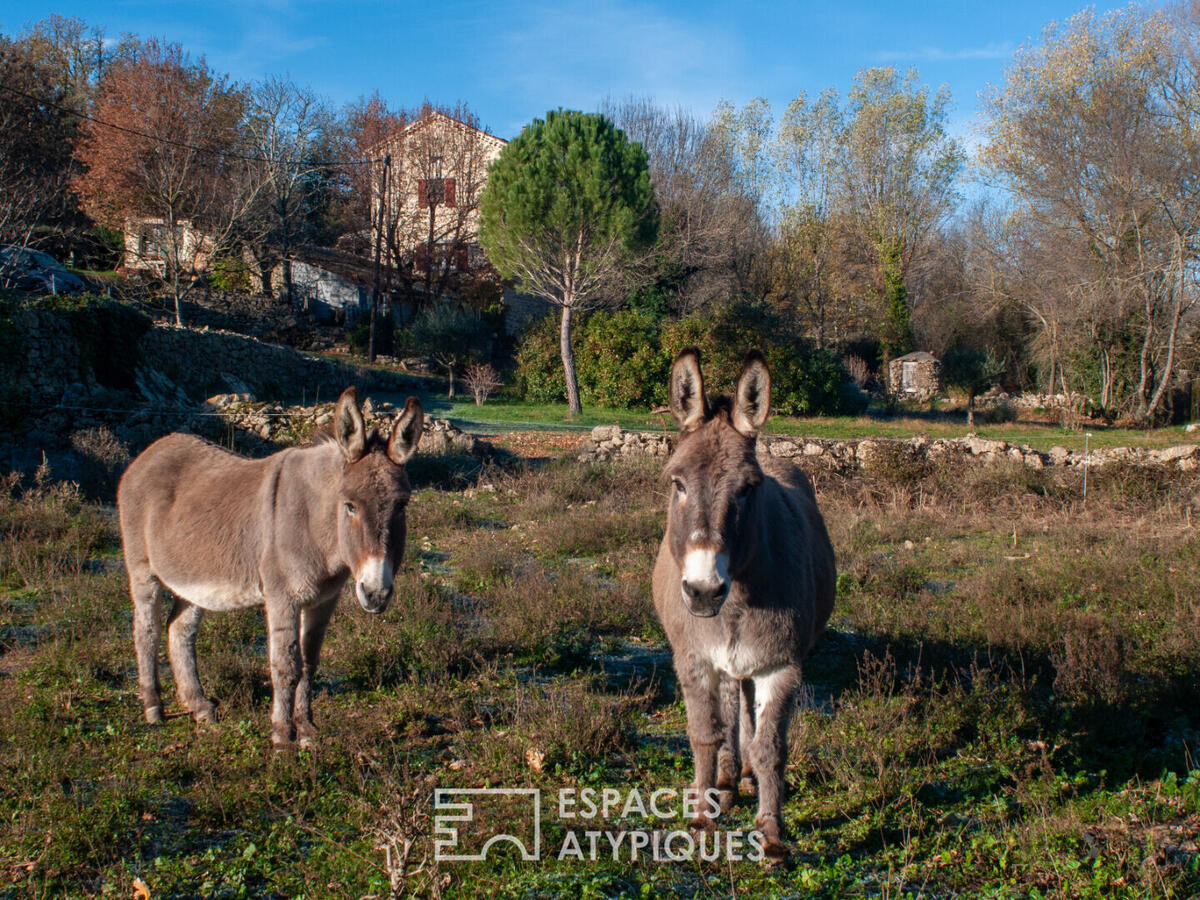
x=1042, y=435
x=1004, y=705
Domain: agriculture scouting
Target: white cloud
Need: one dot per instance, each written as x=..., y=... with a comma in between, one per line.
x=994, y=50
x=573, y=54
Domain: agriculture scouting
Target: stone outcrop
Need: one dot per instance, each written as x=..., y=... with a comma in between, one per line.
x=611, y=442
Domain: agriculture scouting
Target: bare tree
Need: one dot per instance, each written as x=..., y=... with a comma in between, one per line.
x=36, y=131
x=710, y=230
x=288, y=129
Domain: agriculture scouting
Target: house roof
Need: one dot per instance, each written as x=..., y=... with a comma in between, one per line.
x=917, y=356
x=428, y=119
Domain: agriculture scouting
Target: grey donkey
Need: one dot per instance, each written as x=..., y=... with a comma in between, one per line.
x=222, y=532
x=743, y=584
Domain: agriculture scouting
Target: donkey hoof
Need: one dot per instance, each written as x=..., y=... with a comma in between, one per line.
x=205, y=715
x=776, y=854
x=154, y=715
x=283, y=738
x=748, y=786
x=727, y=796
x=704, y=824
x=307, y=742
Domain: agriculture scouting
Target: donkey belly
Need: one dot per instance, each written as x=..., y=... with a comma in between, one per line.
x=212, y=594
x=737, y=660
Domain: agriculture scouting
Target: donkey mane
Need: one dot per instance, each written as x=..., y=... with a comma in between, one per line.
x=721, y=403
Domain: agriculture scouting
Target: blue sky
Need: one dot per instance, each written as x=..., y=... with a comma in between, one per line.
x=511, y=62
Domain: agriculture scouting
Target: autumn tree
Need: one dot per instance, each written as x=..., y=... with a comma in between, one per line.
x=897, y=181
x=165, y=144
x=1095, y=134
x=74, y=55
x=804, y=270
x=566, y=204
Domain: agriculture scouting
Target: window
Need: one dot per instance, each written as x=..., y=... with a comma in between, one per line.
x=435, y=192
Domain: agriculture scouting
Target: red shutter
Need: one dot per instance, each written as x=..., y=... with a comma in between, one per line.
x=422, y=257
x=422, y=201
x=448, y=191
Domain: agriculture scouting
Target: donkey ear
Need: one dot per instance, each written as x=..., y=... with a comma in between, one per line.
x=349, y=430
x=688, y=405
x=406, y=433
x=752, y=398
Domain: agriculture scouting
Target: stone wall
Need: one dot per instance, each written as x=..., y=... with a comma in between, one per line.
x=288, y=425
x=611, y=442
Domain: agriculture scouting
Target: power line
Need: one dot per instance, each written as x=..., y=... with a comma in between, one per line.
x=320, y=164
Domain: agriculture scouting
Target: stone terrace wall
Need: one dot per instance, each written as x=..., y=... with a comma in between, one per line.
x=175, y=367
x=611, y=442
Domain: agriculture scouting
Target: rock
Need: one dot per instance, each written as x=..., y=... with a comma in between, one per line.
x=1183, y=451
x=1192, y=427
x=979, y=446
x=603, y=433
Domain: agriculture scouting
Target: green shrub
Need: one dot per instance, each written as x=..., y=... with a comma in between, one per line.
x=805, y=381
x=618, y=359
x=623, y=359
x=624, y=364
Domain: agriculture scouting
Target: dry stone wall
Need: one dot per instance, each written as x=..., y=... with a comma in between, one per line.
x=612, y=442
x=280, y=424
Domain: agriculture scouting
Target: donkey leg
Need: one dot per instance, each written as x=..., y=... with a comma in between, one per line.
x=704, y=734
x=147, y=623
x=728, y=758
x=182, y=626
x=313, y=622
x=283, y=652
x=774, y=696
x=747, y=785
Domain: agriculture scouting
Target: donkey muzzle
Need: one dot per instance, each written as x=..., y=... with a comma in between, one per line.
x=705, y=581
x=373, y=585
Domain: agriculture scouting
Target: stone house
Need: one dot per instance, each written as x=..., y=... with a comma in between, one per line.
x=149, y=244
x=915, y=376
x=437, y=173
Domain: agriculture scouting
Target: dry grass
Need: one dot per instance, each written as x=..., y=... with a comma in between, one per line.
x=1003, y=705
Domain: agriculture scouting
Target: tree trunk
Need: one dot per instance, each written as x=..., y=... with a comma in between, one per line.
x=450, y=382
x=970, y=410
x=568, y=361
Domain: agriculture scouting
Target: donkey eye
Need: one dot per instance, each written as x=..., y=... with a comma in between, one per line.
x=678, y=483
x=351, y=509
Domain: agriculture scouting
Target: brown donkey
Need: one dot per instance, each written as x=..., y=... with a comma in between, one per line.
x=224, y=532
x=744, y=584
